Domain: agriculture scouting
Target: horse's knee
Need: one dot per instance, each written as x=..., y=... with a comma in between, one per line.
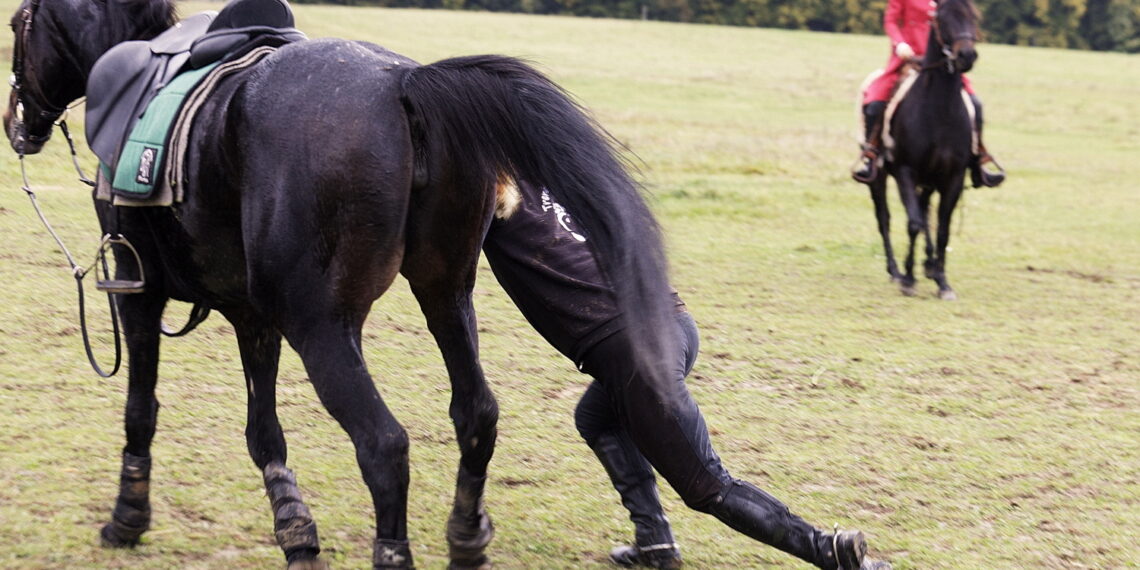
x=915, y=227
x=394, y=443
x=475, y=420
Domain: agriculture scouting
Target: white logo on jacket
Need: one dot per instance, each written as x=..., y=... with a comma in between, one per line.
x=561, y=214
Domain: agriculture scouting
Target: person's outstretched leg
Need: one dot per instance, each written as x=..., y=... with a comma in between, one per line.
x=671, y=433
x=753, y=512
x=979, y=174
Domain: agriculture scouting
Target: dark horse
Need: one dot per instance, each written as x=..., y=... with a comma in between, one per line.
x=313, y=179
x=933, y=131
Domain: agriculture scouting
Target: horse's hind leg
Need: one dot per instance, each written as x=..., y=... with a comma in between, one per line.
x=329, y=344
x=474, y=412
x=883, y=216
x=440, y=268
x=141, y=316
x=293, y=524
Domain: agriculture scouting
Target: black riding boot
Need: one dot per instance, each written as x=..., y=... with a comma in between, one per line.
x=633, y=478
x=761, y=516
x=867, y=169
x=978, y=174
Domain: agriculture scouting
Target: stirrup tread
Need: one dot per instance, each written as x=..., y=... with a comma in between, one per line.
x=120, y=286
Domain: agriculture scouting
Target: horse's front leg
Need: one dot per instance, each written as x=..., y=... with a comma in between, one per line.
x=931, y=261
x=141, y=315
x=883, y=216
x=945, y=212
x=474, y=411
x=293, y=524
x=916, y=222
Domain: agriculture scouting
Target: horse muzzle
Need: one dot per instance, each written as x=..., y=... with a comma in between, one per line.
x=965, y=56
x=17, y=129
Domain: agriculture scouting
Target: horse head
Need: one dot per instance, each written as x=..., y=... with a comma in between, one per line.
x=953, y=33
x=56, y=44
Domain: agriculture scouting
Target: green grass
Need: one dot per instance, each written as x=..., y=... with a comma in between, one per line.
x=997, y=431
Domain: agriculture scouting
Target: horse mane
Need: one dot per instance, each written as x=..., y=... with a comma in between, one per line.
x=139, y=19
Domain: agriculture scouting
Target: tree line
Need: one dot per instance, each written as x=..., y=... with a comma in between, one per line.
x=1107, y=25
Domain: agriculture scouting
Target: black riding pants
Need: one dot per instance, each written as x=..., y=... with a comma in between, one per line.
x=669, y=431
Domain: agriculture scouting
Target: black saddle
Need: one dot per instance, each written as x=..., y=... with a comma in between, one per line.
x=126, y=78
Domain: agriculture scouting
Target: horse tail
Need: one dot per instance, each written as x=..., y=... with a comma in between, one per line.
x=488, y=116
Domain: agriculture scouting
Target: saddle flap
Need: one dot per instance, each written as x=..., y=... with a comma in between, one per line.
x=128, y=75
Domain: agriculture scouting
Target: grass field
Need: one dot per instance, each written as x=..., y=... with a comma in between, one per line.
x=1001, y=430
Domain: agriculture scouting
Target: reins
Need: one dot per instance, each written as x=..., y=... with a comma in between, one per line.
x=58, y=115
x=77, y=271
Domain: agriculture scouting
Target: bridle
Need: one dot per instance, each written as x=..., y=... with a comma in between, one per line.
x=949, y=50
x=48, y=112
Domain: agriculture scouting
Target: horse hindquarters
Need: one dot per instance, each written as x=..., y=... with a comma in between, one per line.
x=323, y=217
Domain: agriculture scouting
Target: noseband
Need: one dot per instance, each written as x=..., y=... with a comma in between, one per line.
x=949, y=49
x=49, y=112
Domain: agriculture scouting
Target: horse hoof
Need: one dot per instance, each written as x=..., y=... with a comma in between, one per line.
x=908, y=290
x=480, y=564
x=109, y=537
x=466, y=542
x=310, y=564
x=948, y=295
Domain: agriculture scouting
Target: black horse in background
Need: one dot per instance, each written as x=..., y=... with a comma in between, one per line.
x=933, y=132
x=312, y=181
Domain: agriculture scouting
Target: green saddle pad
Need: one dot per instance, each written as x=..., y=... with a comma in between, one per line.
x=140, y=163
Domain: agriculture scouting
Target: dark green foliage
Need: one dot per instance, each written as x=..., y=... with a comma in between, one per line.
x=1112, y=25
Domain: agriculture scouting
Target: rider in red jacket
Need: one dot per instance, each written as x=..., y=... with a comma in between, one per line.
x=907, y=24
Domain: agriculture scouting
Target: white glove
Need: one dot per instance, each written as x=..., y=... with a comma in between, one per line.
x=904, y=51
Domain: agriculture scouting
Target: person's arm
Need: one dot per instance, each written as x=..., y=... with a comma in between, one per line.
x=892, y=17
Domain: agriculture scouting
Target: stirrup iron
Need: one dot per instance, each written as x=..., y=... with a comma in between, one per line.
x=119, y=286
